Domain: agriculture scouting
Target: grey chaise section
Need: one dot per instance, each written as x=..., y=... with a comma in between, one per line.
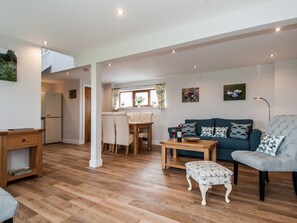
x=285, y=159
x=8, y=207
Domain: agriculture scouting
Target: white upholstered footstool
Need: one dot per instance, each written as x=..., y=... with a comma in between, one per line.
x=206, y=174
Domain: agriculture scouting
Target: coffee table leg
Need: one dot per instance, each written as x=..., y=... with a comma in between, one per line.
x=214, y=153
x=174, y=153
x=206, y=154
x=164, y=157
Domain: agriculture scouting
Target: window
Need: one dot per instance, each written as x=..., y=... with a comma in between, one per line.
x=135, y=98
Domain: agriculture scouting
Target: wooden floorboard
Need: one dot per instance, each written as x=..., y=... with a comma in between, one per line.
x=134, y=189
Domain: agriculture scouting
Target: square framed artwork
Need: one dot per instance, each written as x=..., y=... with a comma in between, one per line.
x=72, y=94
x=234, y=92
x=8, y=65
x=190, y=94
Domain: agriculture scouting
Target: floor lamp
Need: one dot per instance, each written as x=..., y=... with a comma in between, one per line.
x=263, y=99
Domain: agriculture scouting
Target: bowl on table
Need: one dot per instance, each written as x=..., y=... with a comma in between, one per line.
x=191, y=139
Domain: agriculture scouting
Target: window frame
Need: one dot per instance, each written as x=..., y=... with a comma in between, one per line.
x=134, y=92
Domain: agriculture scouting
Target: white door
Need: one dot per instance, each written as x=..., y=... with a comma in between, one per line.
x=53, y=130
x=53, y=104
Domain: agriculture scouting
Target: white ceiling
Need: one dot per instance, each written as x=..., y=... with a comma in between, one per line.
x=74, y=27
x=237, y=51
x=244, y=50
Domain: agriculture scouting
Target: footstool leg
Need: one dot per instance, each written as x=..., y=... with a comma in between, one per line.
x=229, y=188
x=189, y=182
x=203, y=190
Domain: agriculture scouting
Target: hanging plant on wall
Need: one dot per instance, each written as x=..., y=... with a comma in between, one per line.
x=8, y=65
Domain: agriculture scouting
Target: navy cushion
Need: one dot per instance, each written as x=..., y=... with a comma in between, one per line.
x=227, y=123
x=200, y=123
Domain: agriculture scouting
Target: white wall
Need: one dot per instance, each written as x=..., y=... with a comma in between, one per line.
x=106, y=97
x=47, y=87
x=285, y=87
x=21, y=100
x=61, y=62
x=259, y=82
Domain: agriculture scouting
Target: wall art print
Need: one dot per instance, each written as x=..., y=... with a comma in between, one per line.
x=8, y=65
x=234, y=92
x=72, y=94
x=190, y=94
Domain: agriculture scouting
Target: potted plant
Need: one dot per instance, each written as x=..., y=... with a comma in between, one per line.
x=139, y=100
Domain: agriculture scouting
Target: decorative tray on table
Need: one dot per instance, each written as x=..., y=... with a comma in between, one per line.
x=191, y=139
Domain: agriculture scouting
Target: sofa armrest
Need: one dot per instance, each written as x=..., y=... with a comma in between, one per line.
x=170, y=130
x=255, y=138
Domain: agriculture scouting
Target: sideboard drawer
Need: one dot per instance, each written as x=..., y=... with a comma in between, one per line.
x=21, y=140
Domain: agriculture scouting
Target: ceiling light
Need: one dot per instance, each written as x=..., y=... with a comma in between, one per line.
x=271, y=55
x=173, y=51
x=277, y=29
x=120, y=12
x=67, y=73
x=45, y=43
x=109, y=64
x=195, y=67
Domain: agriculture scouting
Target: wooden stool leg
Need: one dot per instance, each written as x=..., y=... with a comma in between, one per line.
x=203, y=190
x=229, y=188
x=189, y=181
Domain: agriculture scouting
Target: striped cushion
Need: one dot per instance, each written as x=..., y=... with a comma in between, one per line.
x=240, y=131
x=189, y=128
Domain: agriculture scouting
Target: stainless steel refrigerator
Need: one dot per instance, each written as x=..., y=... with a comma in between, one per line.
x=51, y=115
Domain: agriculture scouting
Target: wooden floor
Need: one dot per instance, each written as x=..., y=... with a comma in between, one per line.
x=134, y=188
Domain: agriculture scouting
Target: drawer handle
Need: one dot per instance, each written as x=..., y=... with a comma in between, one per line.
x=24, y=140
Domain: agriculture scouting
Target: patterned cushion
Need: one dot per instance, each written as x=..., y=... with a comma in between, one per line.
x=240, y=131
x=208, y=173
x=207, y=131
x=189, y=128
x=221, y=132
x=269, y=144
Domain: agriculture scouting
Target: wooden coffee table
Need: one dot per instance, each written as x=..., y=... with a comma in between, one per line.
x=205, y=146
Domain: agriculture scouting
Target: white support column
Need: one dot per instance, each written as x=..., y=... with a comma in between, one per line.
x=96, y=107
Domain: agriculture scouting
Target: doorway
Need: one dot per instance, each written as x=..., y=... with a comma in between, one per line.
x=87, y=114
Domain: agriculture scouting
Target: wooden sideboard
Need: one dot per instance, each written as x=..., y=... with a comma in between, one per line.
x=21, y=139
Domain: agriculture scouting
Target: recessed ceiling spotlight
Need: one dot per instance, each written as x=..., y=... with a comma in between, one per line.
x=109, y=64
x=173, y=51
x=67, y=73
x=271, y=55
x=120, y=12
x=45, y=43
x=277, y=29
x=195, y=67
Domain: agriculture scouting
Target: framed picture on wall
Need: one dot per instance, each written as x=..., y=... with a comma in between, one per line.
x=234, y=92
x=190, y=94
x=72, y=94
x=8, y=65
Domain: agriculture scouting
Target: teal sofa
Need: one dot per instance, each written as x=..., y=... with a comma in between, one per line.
x=225, y=145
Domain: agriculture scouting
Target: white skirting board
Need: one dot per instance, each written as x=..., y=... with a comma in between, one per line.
x=73, y=141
